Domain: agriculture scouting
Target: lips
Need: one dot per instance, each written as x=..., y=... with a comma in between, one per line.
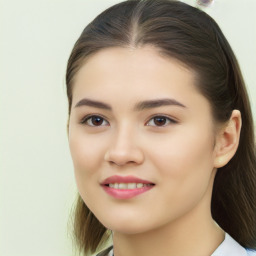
x=124, y=179
x=125, y=187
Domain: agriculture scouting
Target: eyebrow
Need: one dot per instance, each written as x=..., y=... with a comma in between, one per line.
x=157, y=103
x=148, y=104
x=92, y=103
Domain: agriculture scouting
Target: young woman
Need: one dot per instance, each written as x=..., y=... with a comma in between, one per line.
x=161, y=135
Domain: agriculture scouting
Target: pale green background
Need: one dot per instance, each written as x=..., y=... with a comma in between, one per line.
x=37, y=186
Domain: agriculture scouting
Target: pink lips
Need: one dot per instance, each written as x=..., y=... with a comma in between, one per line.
x=125, y=193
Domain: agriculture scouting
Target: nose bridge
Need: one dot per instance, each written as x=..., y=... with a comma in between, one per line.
x=124, y=135
x=124, y=147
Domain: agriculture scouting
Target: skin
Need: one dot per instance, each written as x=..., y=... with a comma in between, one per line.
x=180, y=155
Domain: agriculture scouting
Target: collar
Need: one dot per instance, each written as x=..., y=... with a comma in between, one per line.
x=111, y=253
x=229, y=247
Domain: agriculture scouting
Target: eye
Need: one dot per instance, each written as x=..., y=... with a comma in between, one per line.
x=94, y=121
x=160, y=121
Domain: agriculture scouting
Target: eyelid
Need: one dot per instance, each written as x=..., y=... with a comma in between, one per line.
x=170, y=119
x=85, y=119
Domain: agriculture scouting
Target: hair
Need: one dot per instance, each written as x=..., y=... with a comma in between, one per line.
x=191, y=36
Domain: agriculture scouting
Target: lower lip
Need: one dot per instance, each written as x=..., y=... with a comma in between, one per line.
x=126, y=193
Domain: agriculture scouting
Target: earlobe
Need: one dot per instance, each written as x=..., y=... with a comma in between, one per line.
x=227, y=140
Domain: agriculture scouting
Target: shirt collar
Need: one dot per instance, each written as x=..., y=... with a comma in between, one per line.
x=229, y=247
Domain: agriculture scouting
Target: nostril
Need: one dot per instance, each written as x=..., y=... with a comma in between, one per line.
x=115, y=163
x=120, y=164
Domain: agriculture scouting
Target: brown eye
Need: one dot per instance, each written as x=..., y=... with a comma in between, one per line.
x=94, y=121
x=161, y=121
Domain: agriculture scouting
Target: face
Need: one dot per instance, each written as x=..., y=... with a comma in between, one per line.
x=141, y=139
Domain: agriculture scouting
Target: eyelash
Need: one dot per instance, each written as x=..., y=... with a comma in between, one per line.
x=168, y=120
x=86, y=119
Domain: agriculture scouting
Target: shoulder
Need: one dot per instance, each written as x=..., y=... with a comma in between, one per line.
x=251, y=252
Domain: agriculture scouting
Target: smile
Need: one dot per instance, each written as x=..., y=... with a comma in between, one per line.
x=126, y=187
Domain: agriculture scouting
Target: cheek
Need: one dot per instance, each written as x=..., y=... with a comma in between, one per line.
x=86, y=153
x=185, y=167
x=185, y=159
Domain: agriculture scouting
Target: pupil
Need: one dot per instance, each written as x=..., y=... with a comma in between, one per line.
x=96, y=120
x=160, y=120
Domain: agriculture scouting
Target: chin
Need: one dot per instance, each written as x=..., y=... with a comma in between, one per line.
x=127, y=226
x=128, y=229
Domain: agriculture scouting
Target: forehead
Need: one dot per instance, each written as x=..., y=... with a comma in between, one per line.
x=144, y=58
x=131, y=73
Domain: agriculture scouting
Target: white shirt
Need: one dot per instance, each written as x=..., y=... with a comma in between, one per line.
x=229, y=247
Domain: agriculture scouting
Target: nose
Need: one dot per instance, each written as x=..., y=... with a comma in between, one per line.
x=124, y=149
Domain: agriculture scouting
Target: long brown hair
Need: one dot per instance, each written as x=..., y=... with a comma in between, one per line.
x=191, y=36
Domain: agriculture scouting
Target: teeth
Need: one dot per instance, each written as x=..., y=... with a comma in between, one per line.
x=132, y=185
x=127, y=185
x=140, y=185
x=123, y=186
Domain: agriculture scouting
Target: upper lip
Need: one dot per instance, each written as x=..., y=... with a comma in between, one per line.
x=124, y=179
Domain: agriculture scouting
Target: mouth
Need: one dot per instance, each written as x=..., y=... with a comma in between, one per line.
x=128, y=185
x=125, y=187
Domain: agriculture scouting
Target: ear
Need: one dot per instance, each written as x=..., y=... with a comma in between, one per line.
x=227, y=140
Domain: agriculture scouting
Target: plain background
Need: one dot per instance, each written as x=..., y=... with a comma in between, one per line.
x=37, y=186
